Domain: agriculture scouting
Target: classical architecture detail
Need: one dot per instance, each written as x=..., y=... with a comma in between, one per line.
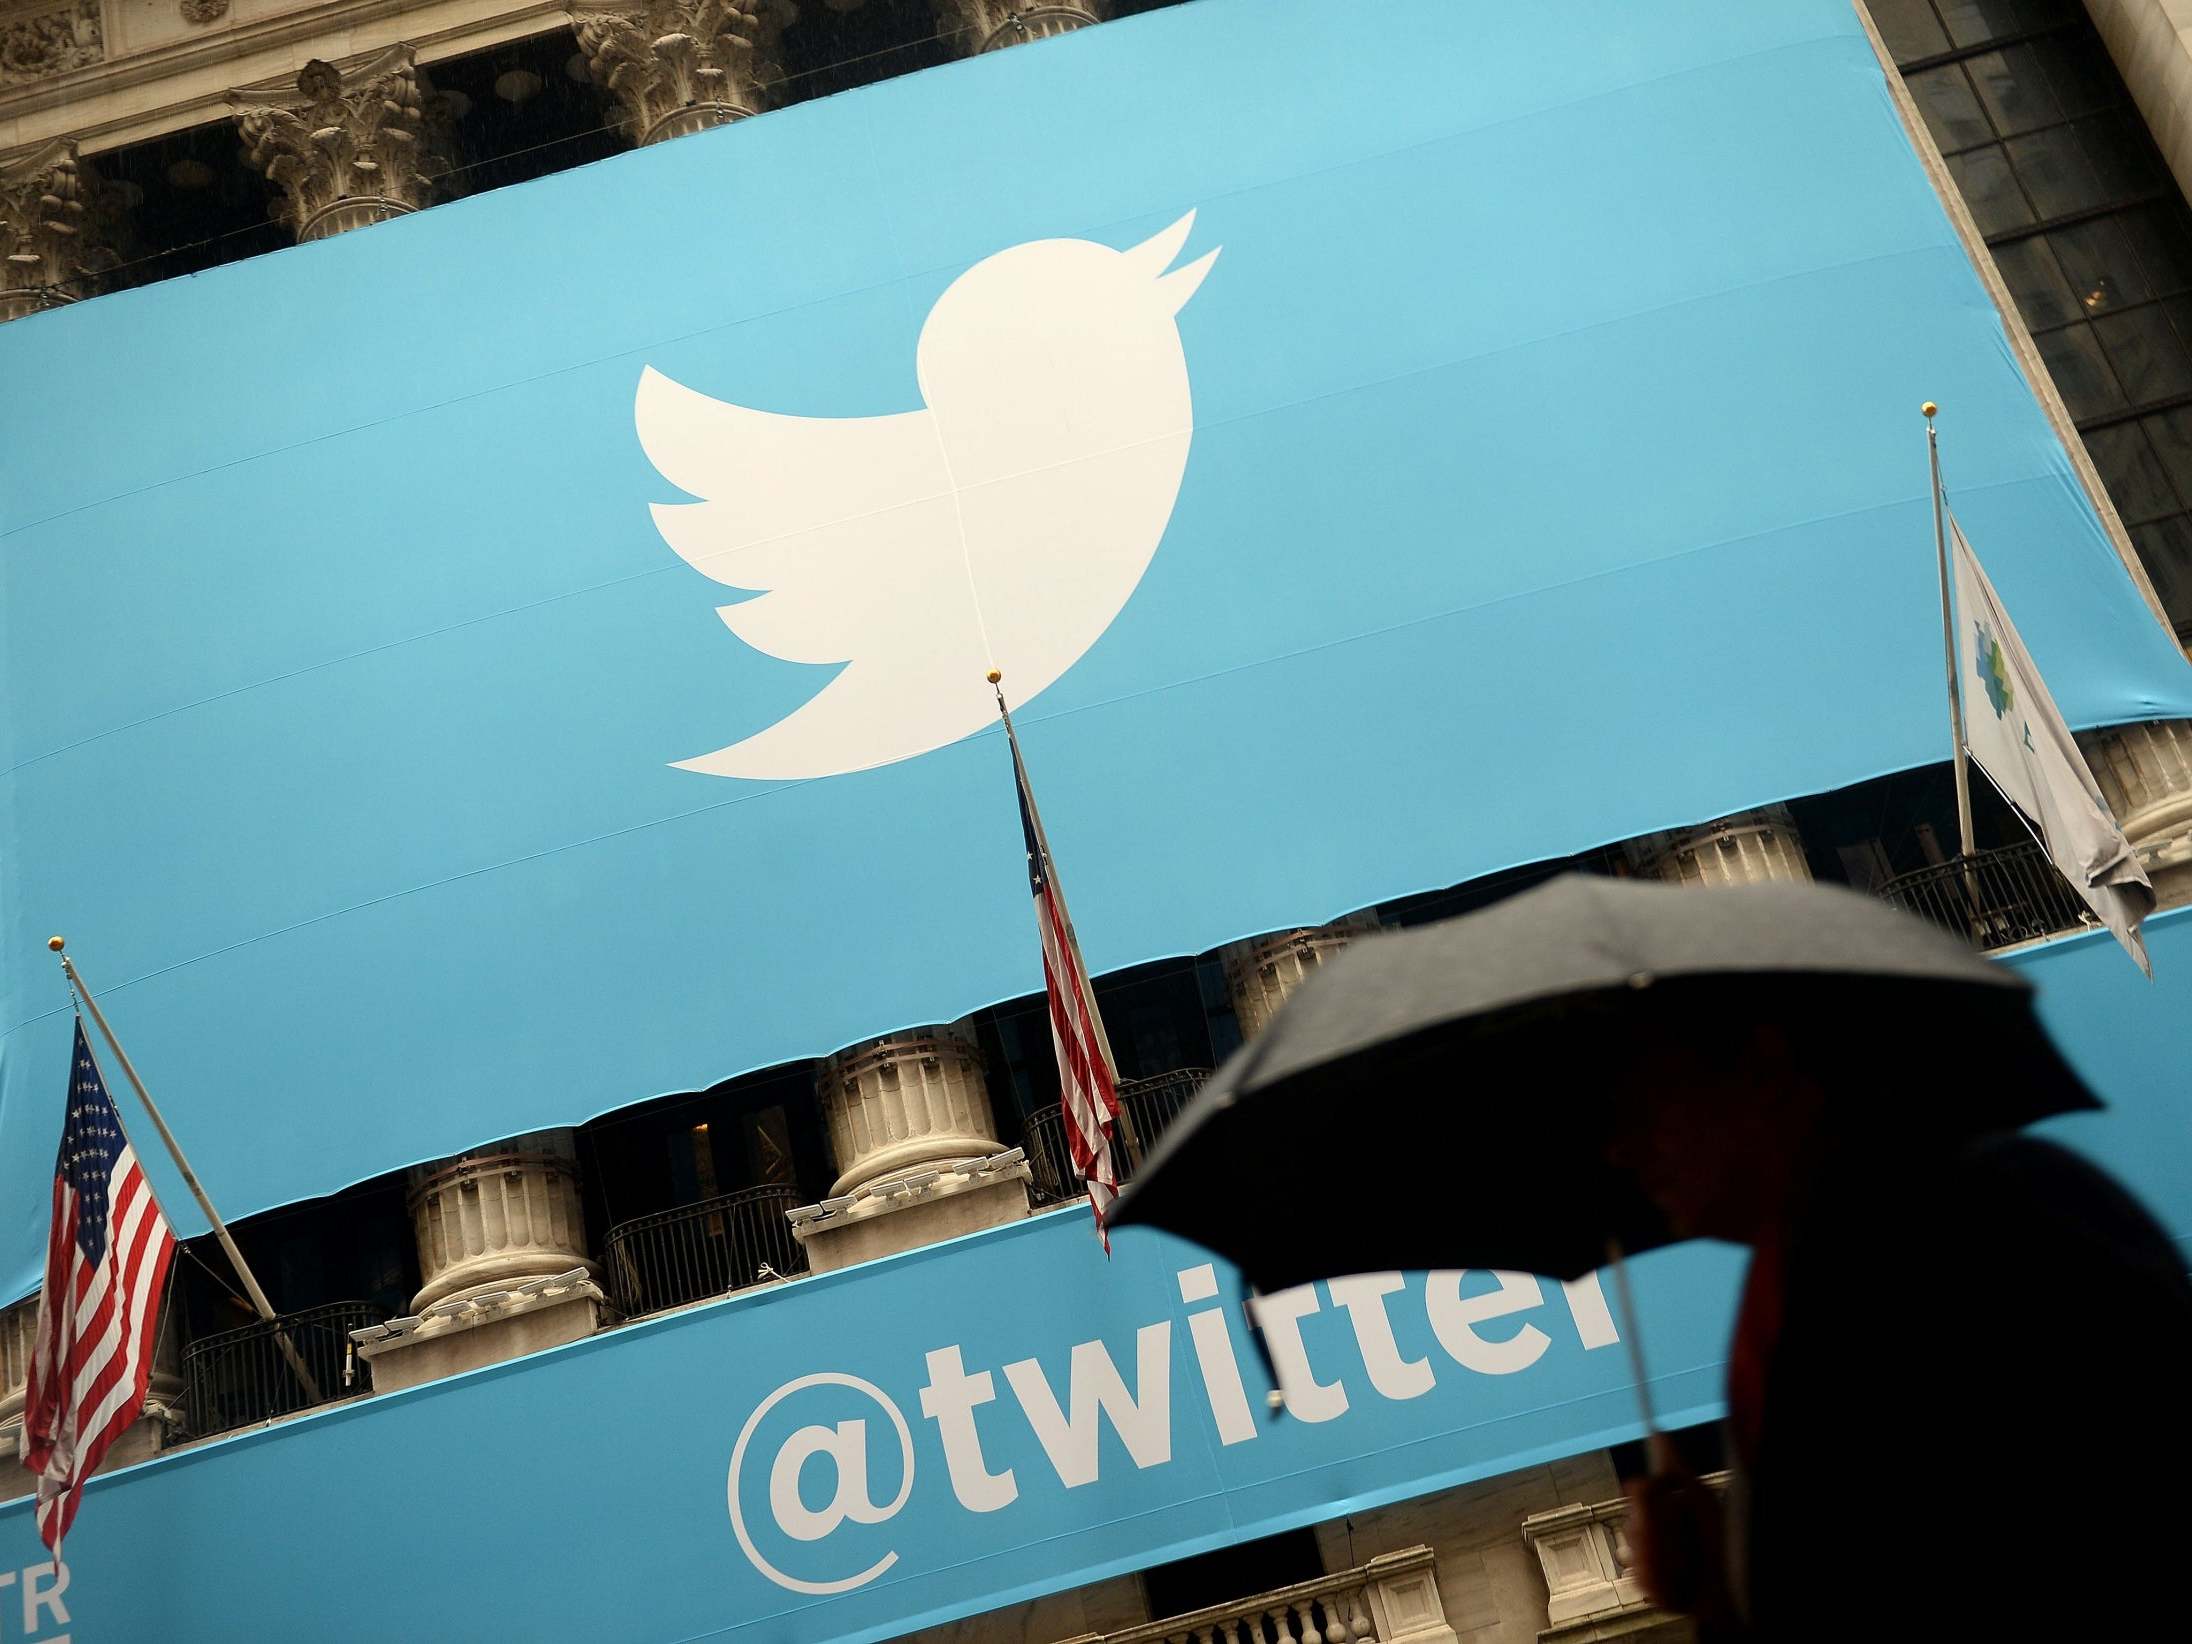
x=1263, y=971
x=38, y=44
x=1590, y=1576
x=680, y=66
x=1748, y=848
x=910, y=1129
x=2145, y=774
x=58, y=227
x=497, y=1217
x=895, y=1104
x=1390, y=1600
x=991, y=25
x=471, y=1331
x=352, y=147
x=203, y=11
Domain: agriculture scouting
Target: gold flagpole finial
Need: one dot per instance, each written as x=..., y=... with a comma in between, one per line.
x=994, y=676
x=56, y=943
x=1928, y=410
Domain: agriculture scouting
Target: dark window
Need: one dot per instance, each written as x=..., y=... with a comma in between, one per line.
x=1232, y=1573
x=2093, y=237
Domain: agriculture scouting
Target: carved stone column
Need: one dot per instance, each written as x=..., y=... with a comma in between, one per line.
x=1748, y=848
x=991, y=25
x=2145, y=774
x=17, y=1324
x=911, y=1131
x=903, y=1101
x=1263, y=971
x=498, y=1216
x=59, y=224
x=680, y=66
x=502, y=1256
x=351, y=147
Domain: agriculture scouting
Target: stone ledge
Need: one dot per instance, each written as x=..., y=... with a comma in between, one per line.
x=472, y=1332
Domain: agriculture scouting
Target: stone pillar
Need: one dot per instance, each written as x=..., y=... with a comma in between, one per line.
x=145, y=1437
x=17, y=1324
x=59, y=224
x=991, y=25
x=502, y=1256
x=1263, y=971
x=914, y=1140
x=1748, y=848
x=2145, y=774
x=498, y=1216
x=351, y=147
x=680, y=66
x=2151, y=41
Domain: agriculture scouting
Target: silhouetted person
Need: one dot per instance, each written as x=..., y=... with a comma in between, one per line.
x=1960, y=1387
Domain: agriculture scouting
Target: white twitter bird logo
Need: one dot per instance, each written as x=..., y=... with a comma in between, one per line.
x=1005, y=525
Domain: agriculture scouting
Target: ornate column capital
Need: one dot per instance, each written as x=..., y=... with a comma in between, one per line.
x=351, y=146
x=58, y=226
x=680, y=66
x=991, y=25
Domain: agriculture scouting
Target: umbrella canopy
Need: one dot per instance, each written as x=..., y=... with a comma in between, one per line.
x=1440, y=1097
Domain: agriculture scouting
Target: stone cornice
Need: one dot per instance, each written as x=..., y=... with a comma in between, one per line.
x=131, y=120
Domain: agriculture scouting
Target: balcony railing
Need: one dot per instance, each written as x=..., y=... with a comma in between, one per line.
x=276, y=1367
x=1146, y=1106
x=1390, y=1600
x=1992, y=898
x=701, y=1250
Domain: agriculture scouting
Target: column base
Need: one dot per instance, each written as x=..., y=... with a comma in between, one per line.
x=473, y=1332
x=906, y=1212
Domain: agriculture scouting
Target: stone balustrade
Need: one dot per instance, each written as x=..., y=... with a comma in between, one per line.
x=1390, y=1600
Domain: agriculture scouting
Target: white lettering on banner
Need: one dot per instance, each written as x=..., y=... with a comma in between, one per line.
x=1454, y=1319
x=1096, y=1392
x=1363, y=1296
x=1279, y=1317
x=42, y=1586
x=949, y=1400
x=1094, y=1389
x=1594, y=1320
x=851, y=1500
x=1214, y=1354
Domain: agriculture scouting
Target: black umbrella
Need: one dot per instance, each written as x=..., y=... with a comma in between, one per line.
x=1440, y=1097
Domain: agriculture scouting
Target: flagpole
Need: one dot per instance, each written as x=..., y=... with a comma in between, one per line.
x=1948, y=643
x=182, y=1165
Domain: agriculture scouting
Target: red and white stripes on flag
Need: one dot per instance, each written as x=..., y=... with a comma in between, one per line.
x=1087, y=1079
x=106, y=1270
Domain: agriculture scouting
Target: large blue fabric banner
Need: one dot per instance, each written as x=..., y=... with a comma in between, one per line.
x=864, y=1453
x=1369, y=468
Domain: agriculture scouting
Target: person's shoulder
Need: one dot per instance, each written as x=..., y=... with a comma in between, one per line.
x=2021, y=1199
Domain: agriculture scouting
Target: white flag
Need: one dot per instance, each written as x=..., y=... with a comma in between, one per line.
x=2014, y=730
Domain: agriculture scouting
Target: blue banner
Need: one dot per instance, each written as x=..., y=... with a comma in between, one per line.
x=483, y=671
x=864, y=1453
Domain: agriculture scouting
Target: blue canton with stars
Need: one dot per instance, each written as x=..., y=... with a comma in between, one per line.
x=90, y=1143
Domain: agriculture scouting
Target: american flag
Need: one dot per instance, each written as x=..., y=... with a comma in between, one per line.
x=106, y=1270
x=1087, y=1081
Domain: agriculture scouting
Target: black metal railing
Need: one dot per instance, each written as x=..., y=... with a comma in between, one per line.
x=1146, y=1106
x=277, y=1367
x=1992, y=898
x=702, y=1250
